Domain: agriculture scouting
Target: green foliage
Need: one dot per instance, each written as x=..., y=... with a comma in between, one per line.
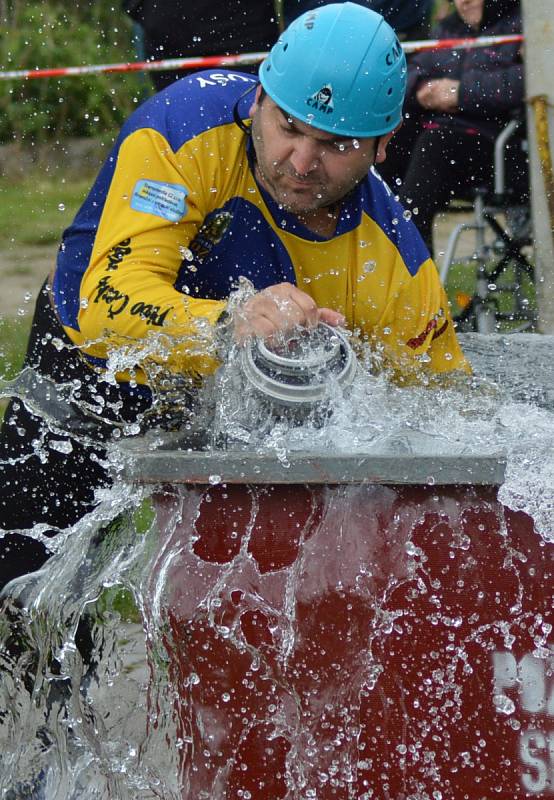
x=43, y=35
x=13, y=339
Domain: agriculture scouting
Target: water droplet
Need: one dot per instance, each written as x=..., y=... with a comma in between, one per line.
x=61, y=446
x=503, y=704
x=61, y=206
x=214, y=479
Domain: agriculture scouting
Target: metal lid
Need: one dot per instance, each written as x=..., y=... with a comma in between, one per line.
x=299, y=369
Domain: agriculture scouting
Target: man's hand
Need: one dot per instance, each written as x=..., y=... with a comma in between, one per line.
x=279, y=308
x=439, y=95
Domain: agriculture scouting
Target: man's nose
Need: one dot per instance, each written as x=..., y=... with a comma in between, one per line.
x=305, y=156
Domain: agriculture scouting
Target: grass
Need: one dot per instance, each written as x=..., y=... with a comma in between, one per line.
x=461, y=281
x=39, y=207
x=13, y=338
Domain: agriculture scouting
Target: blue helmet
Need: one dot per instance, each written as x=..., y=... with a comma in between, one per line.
x=339, y=68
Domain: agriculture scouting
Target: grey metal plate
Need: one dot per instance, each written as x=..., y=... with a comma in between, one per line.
x=522, y=364
x=402, y=460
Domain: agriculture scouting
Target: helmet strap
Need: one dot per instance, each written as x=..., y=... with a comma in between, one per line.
x=376, y=149
x=244, y=126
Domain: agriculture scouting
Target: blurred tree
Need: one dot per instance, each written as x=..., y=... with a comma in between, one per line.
x=36, y=35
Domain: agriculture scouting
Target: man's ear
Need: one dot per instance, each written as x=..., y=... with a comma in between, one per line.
x=381, y=154
x=256, y=102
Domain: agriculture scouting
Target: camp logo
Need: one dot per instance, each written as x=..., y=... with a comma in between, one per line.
x=322, y=100
x=394, y=54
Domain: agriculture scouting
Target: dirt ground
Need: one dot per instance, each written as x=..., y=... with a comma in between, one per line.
x=23, y=269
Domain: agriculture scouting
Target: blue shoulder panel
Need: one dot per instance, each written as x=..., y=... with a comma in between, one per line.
x=193, y=105
x=235, y=240
x=380, y=203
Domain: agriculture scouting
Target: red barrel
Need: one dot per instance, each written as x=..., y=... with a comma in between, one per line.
x=362, y=641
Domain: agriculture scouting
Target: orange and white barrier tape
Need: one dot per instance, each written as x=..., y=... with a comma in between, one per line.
x=239, y=60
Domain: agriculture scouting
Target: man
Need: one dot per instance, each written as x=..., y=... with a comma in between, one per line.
x=212, y=180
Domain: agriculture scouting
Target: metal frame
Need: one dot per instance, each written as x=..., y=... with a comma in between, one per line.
x=408, y=459
x=491, y=260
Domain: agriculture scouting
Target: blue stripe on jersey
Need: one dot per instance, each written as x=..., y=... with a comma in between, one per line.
x=211, y=95
x=76, y=246
x=379, y=203
x=249, y=247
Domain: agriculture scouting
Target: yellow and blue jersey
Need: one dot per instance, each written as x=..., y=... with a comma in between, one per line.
x=176, y=217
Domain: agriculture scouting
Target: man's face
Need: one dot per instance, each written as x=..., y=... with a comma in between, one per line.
x=304, y=168
x=471, y=11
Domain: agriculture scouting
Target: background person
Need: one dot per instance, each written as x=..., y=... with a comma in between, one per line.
x=184, y=29
x=409, y=18
x=457, y=102
x=214, y=179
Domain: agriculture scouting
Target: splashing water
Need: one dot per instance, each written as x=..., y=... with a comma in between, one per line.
x=239, y=641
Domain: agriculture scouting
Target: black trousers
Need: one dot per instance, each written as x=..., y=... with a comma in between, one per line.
x=48, y=476
x=429, y=166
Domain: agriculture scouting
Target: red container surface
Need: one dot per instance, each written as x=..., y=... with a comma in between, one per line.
x=359, y=642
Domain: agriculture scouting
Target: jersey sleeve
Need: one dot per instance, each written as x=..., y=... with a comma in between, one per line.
x=156, y=201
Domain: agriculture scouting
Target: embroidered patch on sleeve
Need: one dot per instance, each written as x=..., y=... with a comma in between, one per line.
x=166, y=200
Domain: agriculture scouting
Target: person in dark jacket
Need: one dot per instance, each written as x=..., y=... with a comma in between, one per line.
x=179, y=29
x=409, y=18
x=457, y=102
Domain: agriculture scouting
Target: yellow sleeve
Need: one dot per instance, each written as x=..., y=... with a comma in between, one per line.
x=127, y=291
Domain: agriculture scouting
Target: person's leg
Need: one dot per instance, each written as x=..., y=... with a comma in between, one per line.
x=445, y=163
x=49, y=464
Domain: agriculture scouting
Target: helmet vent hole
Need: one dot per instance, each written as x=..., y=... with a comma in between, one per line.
x=285, y=47
x=389, y=92
x=388, y=118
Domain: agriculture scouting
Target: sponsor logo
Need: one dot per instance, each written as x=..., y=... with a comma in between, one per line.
x=433, y=325
x=166, y=200
x=524, y=690
x=222, y=79
x=152, y=315
x=322, y=100
x=211, y=233
x=117, y=302
x=117, y=254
